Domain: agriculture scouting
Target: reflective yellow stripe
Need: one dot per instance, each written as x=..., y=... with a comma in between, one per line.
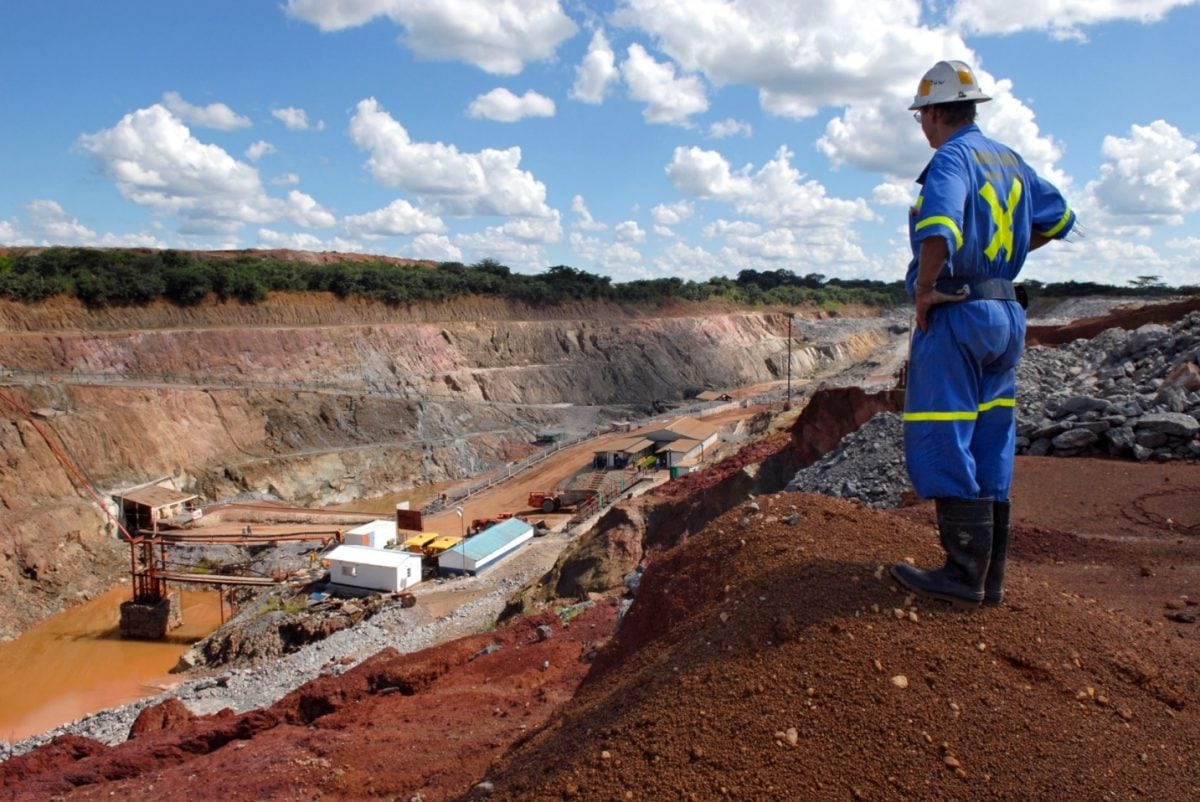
x=1002, y=218
x=1061, y=223
x=942, y=221
x=952, y=416
x=940, y=416
x=998, y=402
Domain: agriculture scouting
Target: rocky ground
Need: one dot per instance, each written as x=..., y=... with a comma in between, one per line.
x=766, y=657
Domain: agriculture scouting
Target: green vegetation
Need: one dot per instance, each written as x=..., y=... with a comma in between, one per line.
x=114, y=277
x=296, y=604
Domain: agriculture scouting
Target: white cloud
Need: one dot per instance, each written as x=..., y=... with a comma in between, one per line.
x=800, y=56
x=776, y=194
x=729, y=127
x=494, y=243
x=286, y=180
x=585, y=221
x=1063, y=19
x=214, y=115
x=503, y=106
x=455, y=183
x=686, y=262
x=737, y=228
x=259, y=149
x=671, y=214
x=397, y=218
x=612, y=258
x=498, y=36
x=434, y=247
x=157, y=163
x=896, y=192
x=597, y=72
x=533, y=230
x=668, y=99
x=629, y=231
x=294, y=119
x=663, y=231
x=299, y=241
x=47, y=223
x=1150, y=178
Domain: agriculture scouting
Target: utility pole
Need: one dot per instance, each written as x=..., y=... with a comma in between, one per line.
x=788, y=404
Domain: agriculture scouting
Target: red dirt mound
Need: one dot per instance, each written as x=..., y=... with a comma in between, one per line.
x=772, y=660
x=1128, y=319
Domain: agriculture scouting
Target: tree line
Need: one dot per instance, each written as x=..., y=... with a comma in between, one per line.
x=102, y=278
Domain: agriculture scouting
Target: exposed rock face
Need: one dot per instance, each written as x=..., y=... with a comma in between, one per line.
x=314, y=400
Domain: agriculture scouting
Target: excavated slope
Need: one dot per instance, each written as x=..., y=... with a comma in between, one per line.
x=316, y=401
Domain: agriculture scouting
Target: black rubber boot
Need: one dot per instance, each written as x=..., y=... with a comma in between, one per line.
x=965, y=529
x=993, y=587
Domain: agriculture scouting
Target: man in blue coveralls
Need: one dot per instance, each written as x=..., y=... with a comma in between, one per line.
x=980, y=211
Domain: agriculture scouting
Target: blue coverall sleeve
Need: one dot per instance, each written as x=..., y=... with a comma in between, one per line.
x=943, y=200
x=1052, y=217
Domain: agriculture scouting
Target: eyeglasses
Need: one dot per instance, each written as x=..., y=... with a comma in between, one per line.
x=917, y=116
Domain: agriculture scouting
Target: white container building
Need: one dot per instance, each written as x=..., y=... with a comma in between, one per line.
x=484, y=549
x=388, y=570
x=376, y=534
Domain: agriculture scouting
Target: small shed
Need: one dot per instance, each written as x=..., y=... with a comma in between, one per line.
x=388, y=570
x=713, y=395
x=375, y=534
x=620, y=453
x=485, y=549
x=680, y=451
x=148, y=507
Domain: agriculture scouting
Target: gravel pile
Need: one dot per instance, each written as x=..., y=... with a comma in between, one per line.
x=867, y=464
x=1129, y=394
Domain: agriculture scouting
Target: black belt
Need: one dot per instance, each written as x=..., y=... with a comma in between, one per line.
x=979, y=289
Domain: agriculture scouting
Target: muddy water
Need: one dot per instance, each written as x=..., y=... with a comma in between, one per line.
x=77, y=663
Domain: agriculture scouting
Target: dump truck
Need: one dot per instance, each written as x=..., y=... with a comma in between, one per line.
x=558, y=500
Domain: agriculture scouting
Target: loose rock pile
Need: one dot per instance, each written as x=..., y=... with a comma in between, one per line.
x=1128, y=394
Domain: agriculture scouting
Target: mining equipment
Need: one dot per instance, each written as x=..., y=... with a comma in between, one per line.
x=479, y=524
x=557, y=500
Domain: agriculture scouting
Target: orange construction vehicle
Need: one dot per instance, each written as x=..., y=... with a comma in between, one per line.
x=557, y=500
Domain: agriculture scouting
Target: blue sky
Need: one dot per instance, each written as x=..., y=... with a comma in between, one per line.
x=631, y=138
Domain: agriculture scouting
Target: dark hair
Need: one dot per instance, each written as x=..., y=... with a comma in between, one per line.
x=960, y=112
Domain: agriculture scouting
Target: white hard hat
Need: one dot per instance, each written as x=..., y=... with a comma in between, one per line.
x=948, y=82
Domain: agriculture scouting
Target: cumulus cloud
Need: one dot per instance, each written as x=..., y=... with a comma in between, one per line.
x=895, y=193
x=46, y=222
x=503, y=106
x=695, y=263
x=214, y=115
x=737, y=228
x=729, y=127
x=597, y=72
x=453, y=182
x=585, y=221
x=1151, y=177
x=296, y=241
x=295, y=119
x=612, y=258
x=629, y=231
x=800, y=56
x=777, y=193
x=1062, y=19
x=494, y=243
x=157, y=163
x=668, y=99
x=670, y=214
x=396, y=219
x=434, y=247
x=497, y=37
x=286, y=180
x=259, y=149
